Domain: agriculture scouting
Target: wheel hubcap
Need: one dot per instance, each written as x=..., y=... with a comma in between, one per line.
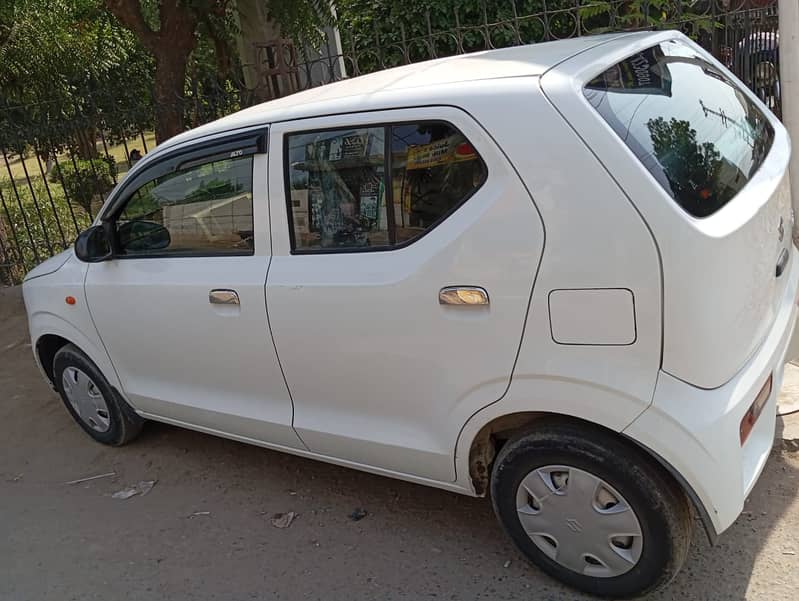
x=579, y=521
x=86, y=399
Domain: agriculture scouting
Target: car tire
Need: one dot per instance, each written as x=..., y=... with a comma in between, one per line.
x=92, y=401
x=602, y=516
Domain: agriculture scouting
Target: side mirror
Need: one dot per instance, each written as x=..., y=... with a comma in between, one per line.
x=143, y=236
x=93, y=245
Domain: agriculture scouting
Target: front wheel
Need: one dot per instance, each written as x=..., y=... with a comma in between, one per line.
x=92, y=401
x=591, y=510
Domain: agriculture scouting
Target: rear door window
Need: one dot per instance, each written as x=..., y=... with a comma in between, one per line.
x=376, y=187
x=688, y=123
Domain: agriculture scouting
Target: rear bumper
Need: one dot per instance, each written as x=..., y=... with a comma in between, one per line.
x=696, y=431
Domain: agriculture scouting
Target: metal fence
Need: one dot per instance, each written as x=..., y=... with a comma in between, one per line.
x=56, y=171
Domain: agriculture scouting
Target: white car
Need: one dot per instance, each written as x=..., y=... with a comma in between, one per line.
x=561, y=273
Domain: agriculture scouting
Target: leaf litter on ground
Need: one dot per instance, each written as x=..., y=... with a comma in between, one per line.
x=140, y=489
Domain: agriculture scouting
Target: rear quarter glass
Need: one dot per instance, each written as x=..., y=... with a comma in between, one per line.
x=688, y=123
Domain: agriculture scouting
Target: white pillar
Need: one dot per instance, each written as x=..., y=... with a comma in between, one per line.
x=789, y=88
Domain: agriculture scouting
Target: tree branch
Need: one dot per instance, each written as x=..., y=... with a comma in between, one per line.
x=129, y=14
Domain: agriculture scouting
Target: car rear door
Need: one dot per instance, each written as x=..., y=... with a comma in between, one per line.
x=393, y=325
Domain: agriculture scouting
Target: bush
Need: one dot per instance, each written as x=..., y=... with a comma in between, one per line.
x=85, y=179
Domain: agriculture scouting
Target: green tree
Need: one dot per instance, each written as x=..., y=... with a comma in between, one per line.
x=67, y=62
x=692, y=169
x=171, y=31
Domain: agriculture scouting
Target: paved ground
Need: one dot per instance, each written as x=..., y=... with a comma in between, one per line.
x=62, y=542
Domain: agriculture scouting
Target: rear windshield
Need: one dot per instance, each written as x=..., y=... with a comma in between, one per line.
x=688, y=123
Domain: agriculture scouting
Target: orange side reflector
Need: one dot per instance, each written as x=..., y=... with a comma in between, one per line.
x=70, y=300
x=751, y=415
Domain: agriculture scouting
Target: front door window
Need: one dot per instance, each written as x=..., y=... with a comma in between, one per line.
x=205, y=209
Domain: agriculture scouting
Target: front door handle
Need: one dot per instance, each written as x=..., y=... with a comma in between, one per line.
x=222, y=296
x=463, y=295
x=782, y=261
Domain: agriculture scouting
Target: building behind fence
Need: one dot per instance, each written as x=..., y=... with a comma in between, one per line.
x=55, y=173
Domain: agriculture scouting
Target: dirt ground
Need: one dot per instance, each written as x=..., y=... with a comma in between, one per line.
x=205, y=531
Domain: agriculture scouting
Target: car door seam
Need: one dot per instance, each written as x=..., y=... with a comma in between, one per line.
x=266, y=295
x=640, y=215
x=532, y=287
x=100, y=337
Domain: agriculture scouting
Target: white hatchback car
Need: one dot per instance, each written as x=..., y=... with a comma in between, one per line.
x=561, y=273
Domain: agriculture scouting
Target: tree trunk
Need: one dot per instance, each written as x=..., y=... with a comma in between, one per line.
x=86, y=143
x=170, y=80
x=171, y=45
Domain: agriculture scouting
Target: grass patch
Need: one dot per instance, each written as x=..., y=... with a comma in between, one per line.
x=36, y=220
x=35, y=225
x=117, y=152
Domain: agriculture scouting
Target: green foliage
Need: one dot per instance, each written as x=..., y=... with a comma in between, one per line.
x=46, y=222
x=426, y=28
x=366, y=25
x=67, y=62
x=646, y=14
x=86, y=180
x=692, y=169
x=301, y=20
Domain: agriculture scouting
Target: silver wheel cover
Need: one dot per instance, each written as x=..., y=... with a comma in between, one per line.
x=86, y=399
x=579, y=521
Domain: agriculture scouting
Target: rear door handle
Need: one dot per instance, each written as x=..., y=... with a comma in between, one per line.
x=463, y=295
x=222, y=296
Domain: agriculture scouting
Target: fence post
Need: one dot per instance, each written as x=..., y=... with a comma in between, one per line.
x=789, y=90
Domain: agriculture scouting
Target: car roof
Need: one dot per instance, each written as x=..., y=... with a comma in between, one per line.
x=360, y=93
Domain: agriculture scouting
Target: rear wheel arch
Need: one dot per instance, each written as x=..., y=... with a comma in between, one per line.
x=490, y=439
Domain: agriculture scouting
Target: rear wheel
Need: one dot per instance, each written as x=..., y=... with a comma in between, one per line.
x=591, y=510
x=91, y=400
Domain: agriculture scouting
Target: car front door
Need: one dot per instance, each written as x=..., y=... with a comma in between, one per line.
x=404, y=253
x=180, y=307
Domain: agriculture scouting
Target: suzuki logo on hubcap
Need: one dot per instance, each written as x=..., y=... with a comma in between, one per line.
x=574, y=525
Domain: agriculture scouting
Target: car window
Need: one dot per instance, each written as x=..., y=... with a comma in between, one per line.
x=342, y=182
x=205, y=209
x=689, y=124
x=337, y=187
x=434, y=169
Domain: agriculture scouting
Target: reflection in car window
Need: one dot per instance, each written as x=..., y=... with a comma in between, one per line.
x=434, y=169
x=339, y=190
x=689, y=124
x=205, y=209
x=337, y=185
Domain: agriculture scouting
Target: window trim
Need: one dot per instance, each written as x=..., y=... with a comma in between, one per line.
x=387, y=166
x=187, y=157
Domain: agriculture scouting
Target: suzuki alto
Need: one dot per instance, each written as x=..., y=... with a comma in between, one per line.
x=561, y=276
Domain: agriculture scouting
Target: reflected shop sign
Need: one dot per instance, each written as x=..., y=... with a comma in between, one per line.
x=642, y=73
x=441, y=152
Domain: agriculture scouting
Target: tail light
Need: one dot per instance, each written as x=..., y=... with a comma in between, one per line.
x=754, y=411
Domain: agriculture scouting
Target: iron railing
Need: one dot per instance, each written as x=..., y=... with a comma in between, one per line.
x=55, y=171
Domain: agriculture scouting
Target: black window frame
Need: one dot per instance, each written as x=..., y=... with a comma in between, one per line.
x=201, y=152
x=387, y=167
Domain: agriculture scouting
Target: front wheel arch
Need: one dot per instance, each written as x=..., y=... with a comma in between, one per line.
x=46, y=348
